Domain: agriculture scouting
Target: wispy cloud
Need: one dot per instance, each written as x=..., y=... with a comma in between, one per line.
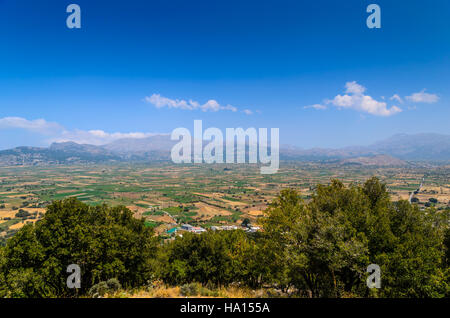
x=354, y=88
x=54, y=132
x=422, y=97
x=355, y=99
x=316, y=107
x=96, y=137
x=397, y=98
x=247, y=112
x=37, y=125
x=211, y=105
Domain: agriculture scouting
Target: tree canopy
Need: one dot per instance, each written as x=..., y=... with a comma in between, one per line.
x=326, y=245
x=105, y=242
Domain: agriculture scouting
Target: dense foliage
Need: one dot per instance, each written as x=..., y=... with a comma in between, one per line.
x=105, y=242
x=326, y=245
x=319, y=248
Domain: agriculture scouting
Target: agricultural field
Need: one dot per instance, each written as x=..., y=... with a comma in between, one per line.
x=167, y=195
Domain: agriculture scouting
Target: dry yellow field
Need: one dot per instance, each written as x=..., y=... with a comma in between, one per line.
x=210, y=211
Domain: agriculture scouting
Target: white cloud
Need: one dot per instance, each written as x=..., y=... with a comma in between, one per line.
x=96, y=137
x=37, y=125
x=397, y=98
x=354, y=88
x=55, y=132
x=161, y=101
x=317, y=107
x=422, y=97
x=356, y=100
x=247, y=112
x=211, y=105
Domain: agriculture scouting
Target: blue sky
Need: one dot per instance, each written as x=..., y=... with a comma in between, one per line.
x=311, y=68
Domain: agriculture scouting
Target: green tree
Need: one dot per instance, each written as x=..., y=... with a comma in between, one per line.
x=105, y=242
x=323, y=248
x=214, y=257
x=245, y=222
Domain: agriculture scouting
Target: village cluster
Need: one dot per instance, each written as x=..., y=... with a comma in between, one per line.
x=198, y=230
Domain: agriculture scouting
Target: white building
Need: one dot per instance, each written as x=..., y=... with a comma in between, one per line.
x=192, y=229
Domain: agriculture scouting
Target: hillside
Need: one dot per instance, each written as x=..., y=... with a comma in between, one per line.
x=57, y=153
x=415, y=147
x=418, y=147
x=377, y=160
x=161, y=143
x=391, y=151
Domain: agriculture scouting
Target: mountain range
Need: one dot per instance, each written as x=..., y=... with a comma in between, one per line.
x=396, y=151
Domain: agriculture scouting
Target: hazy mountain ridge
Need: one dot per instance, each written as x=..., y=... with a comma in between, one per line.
x=161, y=143
x=57, y=153
x=415, y=147
x=376, y=160
x=395, y=150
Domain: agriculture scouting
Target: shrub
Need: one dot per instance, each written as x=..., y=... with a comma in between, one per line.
x=114, y=284
x=22, y=214
x=103, y=288
x=98, y=290
x=191, y=289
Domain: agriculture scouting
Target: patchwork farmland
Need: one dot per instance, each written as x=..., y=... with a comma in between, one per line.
x=168, y=195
